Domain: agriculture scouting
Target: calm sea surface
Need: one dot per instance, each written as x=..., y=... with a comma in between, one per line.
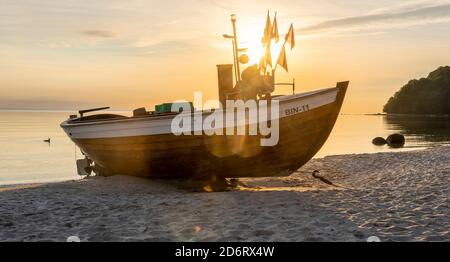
x=25, y=158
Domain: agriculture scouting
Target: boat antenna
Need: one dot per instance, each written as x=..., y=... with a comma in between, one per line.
x=236, y=49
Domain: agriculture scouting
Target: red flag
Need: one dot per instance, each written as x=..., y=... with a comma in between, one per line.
x=282, y=61
x=275, y=34
x=267, y=31
x=290, y=37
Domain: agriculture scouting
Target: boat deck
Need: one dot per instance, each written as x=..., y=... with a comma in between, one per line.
x=112, y=117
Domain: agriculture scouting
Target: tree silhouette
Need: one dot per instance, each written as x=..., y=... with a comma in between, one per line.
x=429, y=95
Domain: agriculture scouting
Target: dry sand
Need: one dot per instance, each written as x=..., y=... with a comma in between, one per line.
x=400, y=196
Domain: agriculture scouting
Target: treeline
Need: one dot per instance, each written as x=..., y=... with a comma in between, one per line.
x=429, y=95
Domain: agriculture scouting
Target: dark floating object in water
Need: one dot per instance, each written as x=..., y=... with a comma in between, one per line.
x=379, y=141
x=47, y=140
x=396, y=140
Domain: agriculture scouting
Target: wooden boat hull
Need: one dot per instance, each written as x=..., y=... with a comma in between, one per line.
x=301, y=136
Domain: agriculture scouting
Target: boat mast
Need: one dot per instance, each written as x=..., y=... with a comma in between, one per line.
x=234, y=41
x=236, y=49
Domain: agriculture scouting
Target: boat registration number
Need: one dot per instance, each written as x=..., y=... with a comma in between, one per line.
x=296, y=110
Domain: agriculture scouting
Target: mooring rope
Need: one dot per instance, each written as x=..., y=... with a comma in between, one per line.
x=315, y=174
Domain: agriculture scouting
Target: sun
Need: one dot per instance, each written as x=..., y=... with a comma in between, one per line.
x=252, y=40
x=255, y=52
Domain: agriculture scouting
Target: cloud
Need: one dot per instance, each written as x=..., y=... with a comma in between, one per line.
x=414, y=13
x=98, y=33
x=164, y=47
x=409, y=6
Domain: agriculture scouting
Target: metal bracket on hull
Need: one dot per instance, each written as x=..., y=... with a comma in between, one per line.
x=288, y=84
x=83, y=167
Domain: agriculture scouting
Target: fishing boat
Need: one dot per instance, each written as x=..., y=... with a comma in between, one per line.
x=145, y=144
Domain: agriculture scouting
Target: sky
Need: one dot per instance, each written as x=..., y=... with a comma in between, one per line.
x=72, y=54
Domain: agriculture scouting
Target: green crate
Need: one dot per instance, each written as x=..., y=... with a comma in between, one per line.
x=163, y=108
x=167, y=107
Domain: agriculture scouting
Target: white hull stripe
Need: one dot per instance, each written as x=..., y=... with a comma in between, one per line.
x=289, y=105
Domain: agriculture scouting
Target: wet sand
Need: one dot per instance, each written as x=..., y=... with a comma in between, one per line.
x=402, y=196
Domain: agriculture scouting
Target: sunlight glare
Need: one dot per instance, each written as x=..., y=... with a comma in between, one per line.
x=251, y=39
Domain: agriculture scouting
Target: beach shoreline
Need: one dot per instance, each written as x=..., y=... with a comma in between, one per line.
x=401, y=196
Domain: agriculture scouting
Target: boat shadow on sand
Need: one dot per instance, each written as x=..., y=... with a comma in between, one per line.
x=299, y=181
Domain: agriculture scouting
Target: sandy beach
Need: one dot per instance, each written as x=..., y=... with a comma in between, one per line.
x=402, y=196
